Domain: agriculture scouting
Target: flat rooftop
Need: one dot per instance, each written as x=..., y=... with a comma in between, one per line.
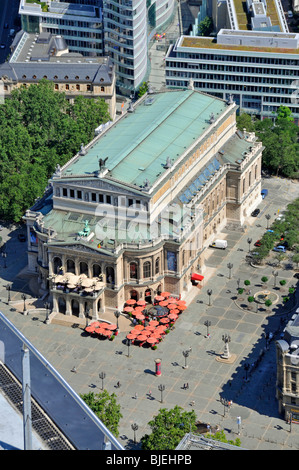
x=244, y=18
x=163, y=126
x=210, y=43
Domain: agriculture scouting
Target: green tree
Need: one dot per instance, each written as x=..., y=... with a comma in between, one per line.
x=143, y=89
x=205, y=27
x=105, y=407
x=39, y=128
x=168, y=428
x=221, y=437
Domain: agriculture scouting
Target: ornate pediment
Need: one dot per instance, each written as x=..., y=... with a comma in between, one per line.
x=98, y=184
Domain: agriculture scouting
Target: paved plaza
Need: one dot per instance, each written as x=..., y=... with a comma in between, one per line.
x=66, y=347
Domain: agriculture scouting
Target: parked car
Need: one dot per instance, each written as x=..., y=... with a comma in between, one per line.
x=296, y=275
x=21, y=237
x=2, y=46
x=255, y=213
x=280, y=248
x=290, y=14
x=264, y=193
x=258, y=243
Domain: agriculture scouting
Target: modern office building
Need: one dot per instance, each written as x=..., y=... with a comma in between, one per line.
x=132, y=213
x=257, y=61
x=120, y=29
x=45, y=56
x=287, y=363
x=80, y=23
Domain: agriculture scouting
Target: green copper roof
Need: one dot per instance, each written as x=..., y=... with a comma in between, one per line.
x=138, y=145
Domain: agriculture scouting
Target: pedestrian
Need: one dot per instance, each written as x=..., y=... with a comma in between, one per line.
x=136, y=396
x=150, y=393
x=184, y=387
x=187, y=385
x=118, y=384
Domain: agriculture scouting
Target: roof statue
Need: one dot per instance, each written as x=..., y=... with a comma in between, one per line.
x=85, y=232
x=102, y=163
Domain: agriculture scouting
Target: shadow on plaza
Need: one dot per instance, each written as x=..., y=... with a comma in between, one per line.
x=253, y=384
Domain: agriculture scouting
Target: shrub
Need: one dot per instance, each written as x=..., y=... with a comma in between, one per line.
x=264, y=279
x=285, y=299
x=282, y=282
x=268, y=302
x=240, y=291
x=250, y=298
x=247, y=283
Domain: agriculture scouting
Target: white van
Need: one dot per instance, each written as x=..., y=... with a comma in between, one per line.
x=222, y=244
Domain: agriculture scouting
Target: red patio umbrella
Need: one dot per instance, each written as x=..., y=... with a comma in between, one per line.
x=181, y=307
x=141, y=338
x=139, y=316
x=161, y=328
x=159, y=298
x=171, y=300
x=128, y=309
x=173, y=316
x=141, y=302
x=139, y=327
x=174, y=311
x=153, y=323
x=164, y=320
x=90, y=329
x=164, y=303
x=165, y=294
x=95, y=323
x=111, y=327
x=130, y=302
x=131, y=336
x=100, y=331
x=152, y=340
x=181, y=302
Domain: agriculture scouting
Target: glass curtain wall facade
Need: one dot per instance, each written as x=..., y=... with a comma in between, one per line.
x=125, y=26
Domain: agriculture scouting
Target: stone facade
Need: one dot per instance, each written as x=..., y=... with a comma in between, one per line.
x=88, y=224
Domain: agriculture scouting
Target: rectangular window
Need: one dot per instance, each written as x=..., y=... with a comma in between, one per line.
x=79, y=194
x=72, y=193
x=101, y=198
x=94, y=197
x=64, y=192
x=108, y=199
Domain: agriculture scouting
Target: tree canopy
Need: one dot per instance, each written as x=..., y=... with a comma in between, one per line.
x=168, y=428
x=105, y=407
x=280, y=139
x=39, y=129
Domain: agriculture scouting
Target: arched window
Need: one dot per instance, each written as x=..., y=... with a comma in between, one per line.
x=83, y=268
x=157, y=266
x=147, y=269
x=70, y=266
x=110, y=275
x=133, y=271
x=56, y=264
x=96, y=270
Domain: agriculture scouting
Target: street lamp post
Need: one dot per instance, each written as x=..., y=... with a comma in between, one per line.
x=209, y=292
x=268, y=217
x=275, y=274
x=207, y=323
x=128, y=343
x=8, y=287
x=102, y=375
x=249, y=241
x=117, y=315
x=134, y=426
x=230, y=266
x=24, y=299
x=226, y=404
x=161, y=388
x=185, y=354
x=47, y=307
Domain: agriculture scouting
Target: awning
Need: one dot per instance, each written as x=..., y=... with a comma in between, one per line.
x=196, y=277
